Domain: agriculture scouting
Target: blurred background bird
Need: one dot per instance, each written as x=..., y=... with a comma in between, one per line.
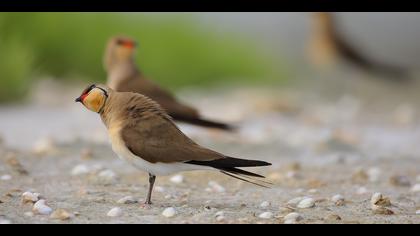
x=125, y=76
x=328, y=45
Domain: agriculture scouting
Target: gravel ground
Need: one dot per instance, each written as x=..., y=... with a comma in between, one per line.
x=321, y=145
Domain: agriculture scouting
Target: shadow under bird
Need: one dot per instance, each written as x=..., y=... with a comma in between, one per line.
x=328, y=45
x=143, y=134
x=124, y=76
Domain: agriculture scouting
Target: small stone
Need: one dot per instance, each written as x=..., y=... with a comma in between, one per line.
x=338, y=200
x=44, y=146
x=313, y=190
x=415, y=188
x=169, y=196
x=362, y=190
x=266, y=215
x=61, y=214
x=169, y=212
x=108, y=176
x=293, y=175
x=219, y=213
x=216, y=187
x=292, y=218
x=283, y=210
x=41, y=208
x=80, y=170
x=6, y=177
x=265, y=204
x=115, y=212
x=127, y=200
x=293, y=202
x=379, y=200
x=418, y=212
x=306, y=203
x=381, y=210
x=333, y=217
x=28, y=214
x=220, y=218
x=28, y=197
x=374, y=174
x=159, y=189
x=400, y=180
x=177, y=179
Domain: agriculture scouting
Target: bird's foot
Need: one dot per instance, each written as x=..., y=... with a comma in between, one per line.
x=146, y=205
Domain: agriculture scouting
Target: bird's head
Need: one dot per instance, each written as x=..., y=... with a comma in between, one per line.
x=94, y=98
x=119, y=50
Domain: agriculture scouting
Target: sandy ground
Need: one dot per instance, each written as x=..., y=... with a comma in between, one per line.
x=320, y=144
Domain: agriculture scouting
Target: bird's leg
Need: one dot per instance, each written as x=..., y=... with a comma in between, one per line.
x=152, y=179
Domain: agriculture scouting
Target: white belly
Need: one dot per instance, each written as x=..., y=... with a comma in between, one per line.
x=158, y=168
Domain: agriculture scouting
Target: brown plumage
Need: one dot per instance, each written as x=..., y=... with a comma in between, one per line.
x=327, y=45
x=124, y=76
x=143, y=134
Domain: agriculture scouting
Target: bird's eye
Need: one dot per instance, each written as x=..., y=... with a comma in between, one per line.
x=120, y=42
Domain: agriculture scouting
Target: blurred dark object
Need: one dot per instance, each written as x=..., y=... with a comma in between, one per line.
x=328, y=45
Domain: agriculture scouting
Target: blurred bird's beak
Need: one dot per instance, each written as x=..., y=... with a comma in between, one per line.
x=79, y=99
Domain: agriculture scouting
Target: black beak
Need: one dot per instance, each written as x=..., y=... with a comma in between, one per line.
x=78, y=99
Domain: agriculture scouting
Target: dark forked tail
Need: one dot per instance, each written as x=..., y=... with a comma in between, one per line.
x=204, y=123
x=228, y=166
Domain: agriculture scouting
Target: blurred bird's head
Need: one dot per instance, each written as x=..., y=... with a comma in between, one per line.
x=94, y=97
x=119, y=49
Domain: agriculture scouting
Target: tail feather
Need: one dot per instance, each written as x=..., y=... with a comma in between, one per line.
x=228, y=166
x=204, y=123
x=247, y=180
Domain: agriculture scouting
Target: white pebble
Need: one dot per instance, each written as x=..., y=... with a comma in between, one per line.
x=6, y=177
x=313, y=190
x=374, y=174
x=108, y=175
x=41, y=208
x=418, y=212
x=306, y=203
x=28, y=214
x=338, y=199
x=80, y=170
x=159, y=189
x=216, y=187
x=220, y=218
x=115, y=212
x=265, y=204
x=29, y=197
x=219, y=213
x=416, y=188
x=127, y=200
x=177, y=179
x=294, y=201
x=5, y=222
x=362, y=190
x=292, y=218
x=43, y=146
x=266, y=215
x=61, y=214
x=169, y=212
x=376, y=197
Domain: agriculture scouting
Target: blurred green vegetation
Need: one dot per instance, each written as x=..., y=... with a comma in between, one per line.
x=173, y=49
